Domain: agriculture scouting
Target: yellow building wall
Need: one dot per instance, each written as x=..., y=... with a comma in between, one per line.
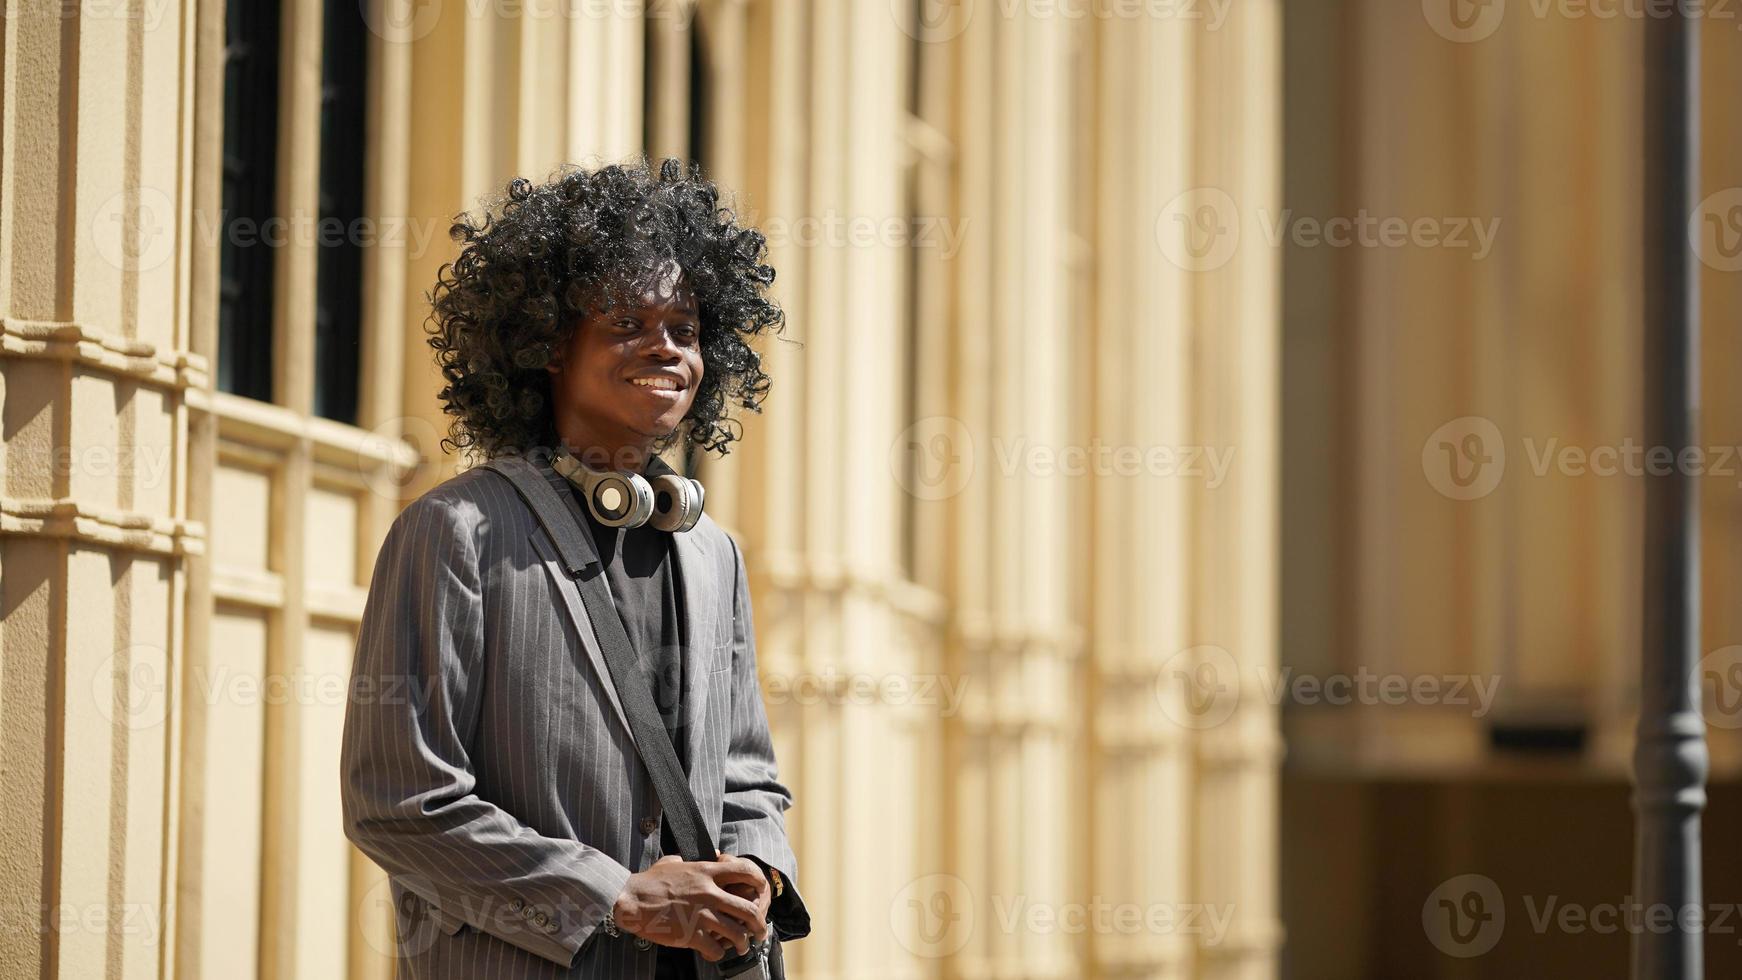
x=177, y=628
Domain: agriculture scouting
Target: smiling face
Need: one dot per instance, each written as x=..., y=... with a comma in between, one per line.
x=628, y=376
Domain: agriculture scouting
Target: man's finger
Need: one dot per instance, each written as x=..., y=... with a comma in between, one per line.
x=706, y=945
x=742, y=910
x=728, y=931
x=735, y=874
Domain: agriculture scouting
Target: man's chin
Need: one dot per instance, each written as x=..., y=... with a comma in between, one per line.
x=658, y=429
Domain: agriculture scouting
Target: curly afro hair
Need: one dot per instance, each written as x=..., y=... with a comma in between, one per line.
x=538, y=260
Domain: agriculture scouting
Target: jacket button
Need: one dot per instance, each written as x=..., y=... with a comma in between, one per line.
x=643, y=943
x=648, y=826
x=542, y=919
x=516, y=905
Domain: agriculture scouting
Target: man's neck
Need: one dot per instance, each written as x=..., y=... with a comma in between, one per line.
x=608, y=454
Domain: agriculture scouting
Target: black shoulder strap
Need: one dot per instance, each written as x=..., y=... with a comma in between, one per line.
x=681, y=809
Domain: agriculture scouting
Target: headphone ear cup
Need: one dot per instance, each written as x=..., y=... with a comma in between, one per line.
x=621, y=500
x=677, y=503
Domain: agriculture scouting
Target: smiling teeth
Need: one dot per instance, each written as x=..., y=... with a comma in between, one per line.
x=665, y=384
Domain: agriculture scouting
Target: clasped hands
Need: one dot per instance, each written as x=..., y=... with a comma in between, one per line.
x=712, y=907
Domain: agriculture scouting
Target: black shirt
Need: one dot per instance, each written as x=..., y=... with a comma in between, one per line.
x=643, y=576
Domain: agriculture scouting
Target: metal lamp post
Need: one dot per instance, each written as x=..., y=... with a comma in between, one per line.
x=1669, y=758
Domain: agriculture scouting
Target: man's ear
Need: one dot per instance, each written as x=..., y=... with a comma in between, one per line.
x=558, y=347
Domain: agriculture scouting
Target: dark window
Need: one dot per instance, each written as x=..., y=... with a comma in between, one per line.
x=700, y=94
x=245, y=270
x=339, y=267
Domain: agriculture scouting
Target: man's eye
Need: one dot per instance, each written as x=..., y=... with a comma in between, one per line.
x=628, y=324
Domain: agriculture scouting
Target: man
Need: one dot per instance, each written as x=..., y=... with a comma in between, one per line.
x=487, y=762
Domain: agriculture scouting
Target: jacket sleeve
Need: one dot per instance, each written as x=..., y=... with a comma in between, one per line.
x=754, y=824
x=408, y=788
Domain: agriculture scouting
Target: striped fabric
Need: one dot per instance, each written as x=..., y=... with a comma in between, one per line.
x=487, y=764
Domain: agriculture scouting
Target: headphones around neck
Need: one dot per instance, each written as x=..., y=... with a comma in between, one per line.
x=618, y=498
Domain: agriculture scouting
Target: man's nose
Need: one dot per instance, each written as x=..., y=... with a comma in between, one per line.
x=660, y=343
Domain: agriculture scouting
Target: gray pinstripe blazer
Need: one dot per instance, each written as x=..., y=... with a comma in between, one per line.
x=487, y=764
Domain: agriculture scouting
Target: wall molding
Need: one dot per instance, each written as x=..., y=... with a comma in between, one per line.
x=105, y=351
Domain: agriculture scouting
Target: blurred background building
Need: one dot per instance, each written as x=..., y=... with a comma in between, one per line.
x=1098, y=468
